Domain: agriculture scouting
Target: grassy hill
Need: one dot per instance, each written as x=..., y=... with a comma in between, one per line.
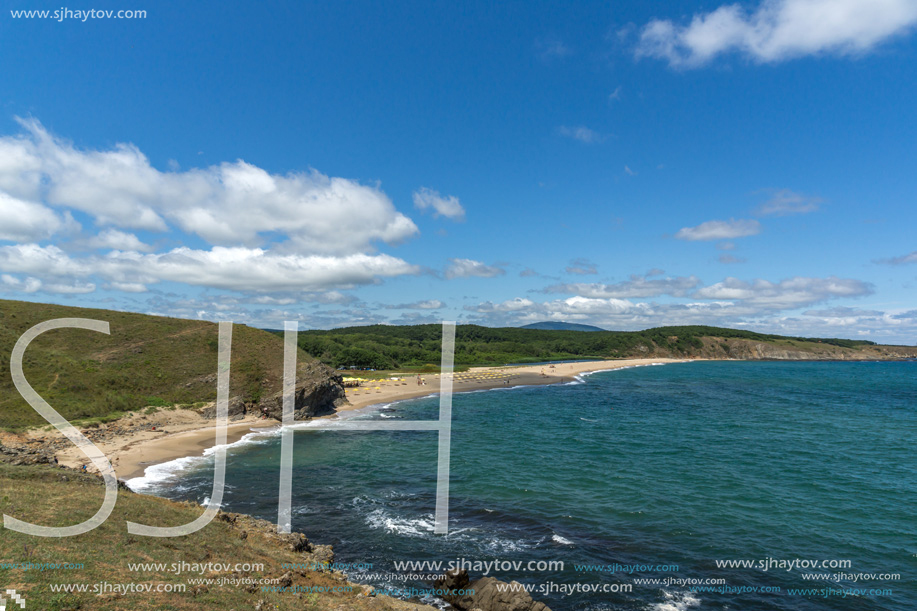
x=416, y=346
x=253, y=550
x=146, y=361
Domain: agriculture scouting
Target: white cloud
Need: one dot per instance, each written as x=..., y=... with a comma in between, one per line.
x=465, y=268
x=628, y=171
x=234, y=203
x=237, y=268
x=786, y=294
x=581, y=133
x=449, y=207
x=29, y=285
x=297, y=232
x=428, y=304
x=118, y=240
x=720, y=230
x=900, y=328
x=581, y=267
x=727, y=259
x=778, y=30
x=33, y=285
x=902, y=260
x=26, y=221
x=785, y=202
x=637, y=286
x=127, y=287
x=513, y=305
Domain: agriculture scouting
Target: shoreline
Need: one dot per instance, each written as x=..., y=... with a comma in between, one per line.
x=185, y=435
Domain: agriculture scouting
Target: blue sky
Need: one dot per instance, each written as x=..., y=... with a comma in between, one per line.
x=627, y=165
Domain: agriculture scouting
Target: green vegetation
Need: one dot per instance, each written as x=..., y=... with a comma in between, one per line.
x=51, y=496
x=393, y=347
x=147, y=361
x=155, y=362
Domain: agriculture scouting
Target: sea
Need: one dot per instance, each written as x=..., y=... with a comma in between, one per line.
x=687, y=486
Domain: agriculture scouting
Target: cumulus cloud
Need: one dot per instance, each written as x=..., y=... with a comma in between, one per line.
x=581, y=267
x=466, y=268
x=902, y=260
x=731, y=302
x=778, y=30
x=113, y=239
x=27, y=221
x=581, y=133
x=627, y=315
x=428, y=304
x=786, y=294
x=24, y=285
x=720, y=230
x=266, y=232
x=449, y=207
x=728, y=259
x=513, y=305
x=785, y=202
x=235, y=268
x=33, y=285
x=234, y=203
x=637, y=286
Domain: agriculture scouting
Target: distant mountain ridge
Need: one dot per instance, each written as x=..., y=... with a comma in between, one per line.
x=560, y=326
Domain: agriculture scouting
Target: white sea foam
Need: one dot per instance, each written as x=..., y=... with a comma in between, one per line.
x=422, y=527
x=157, y=474
x=418, y=527
x=562, y=540
x=580, y=377
x=677, y=601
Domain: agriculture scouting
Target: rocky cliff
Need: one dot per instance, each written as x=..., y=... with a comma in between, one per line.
x=319, y=391
x=788, y=350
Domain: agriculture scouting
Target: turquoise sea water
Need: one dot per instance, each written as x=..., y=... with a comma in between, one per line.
x=684, y=464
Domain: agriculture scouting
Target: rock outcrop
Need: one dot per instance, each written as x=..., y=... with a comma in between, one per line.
x=487, y=596
x=319, y=390
x=294, y=542
x=788, y=350
x=25, y=455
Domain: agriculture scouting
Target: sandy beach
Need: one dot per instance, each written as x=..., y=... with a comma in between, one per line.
x=141, y=440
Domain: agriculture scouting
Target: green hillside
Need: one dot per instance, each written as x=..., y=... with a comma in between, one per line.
x=147, y=360
x=390, y=347
x=246, y=561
